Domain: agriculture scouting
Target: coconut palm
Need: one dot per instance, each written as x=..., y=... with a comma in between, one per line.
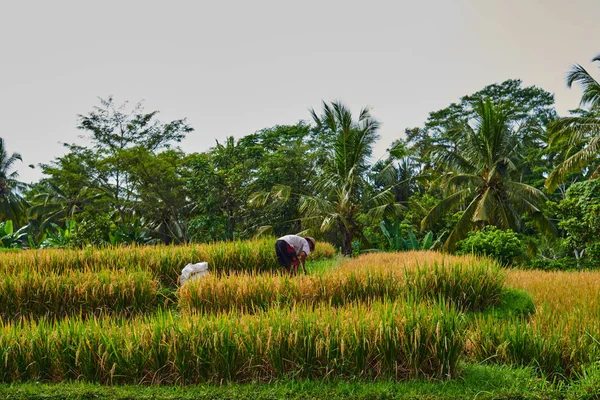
x=342, y=190
x=579, y=133
x=482, y=164
x=51, y=204
x=12, y=205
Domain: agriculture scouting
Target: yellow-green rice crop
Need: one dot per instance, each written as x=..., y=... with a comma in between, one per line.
x=166, y=262
x=560, y=338
x=37, y=294
x=468, y=283
x=386, y=340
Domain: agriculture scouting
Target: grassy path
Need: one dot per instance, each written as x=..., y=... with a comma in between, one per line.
x=477, y=382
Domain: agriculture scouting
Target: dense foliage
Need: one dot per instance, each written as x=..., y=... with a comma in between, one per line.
x=484, y=161
x=504, y=246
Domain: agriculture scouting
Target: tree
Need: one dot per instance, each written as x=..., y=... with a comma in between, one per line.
x=52, y=204
x=580, y=132
x=399, y=171
x=342, y=189
x=119, y=178
x=530, y=109
x=12, y=205
x=579, y=218
x=234, y=179
x=162, y=200
x=483, y=162
x=112, y=131
x=219, y=183
x=291, y=156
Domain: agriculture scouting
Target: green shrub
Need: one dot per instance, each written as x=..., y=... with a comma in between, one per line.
x=504, y=246
x=559, y=264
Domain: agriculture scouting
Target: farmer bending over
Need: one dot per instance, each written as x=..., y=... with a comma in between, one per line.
x=291, y=247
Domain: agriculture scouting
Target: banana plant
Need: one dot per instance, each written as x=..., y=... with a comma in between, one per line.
x=10, y=239
x=61, y=238
x=131, y=233
x=393, y=233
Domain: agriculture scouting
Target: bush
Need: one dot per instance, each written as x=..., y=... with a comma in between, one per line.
x=558, y=264
x=504, y=246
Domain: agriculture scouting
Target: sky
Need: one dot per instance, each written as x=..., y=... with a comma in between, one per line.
x=234, y=67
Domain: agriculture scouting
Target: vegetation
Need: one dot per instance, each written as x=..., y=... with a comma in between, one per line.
x=580, y=132
x=504, y=246
x=41, y=294
x=483, y=382
x=379, y=341
x=480, y=162
x=484, y=160
x=465, y=282
x=165, y=262
x=560, y=338
x=91, y=253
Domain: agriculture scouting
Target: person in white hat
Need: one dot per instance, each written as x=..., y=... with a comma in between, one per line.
x=292, y=250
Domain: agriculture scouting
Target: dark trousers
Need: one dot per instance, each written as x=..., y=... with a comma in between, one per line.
x=286, y=255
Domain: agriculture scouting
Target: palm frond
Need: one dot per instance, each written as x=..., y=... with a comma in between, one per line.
x=575, y=163
x=485, y=207
x=590, y=87
x=443, y=207
x=520, y=191
x=465, y=180
x=573, y=130
x=463, y=225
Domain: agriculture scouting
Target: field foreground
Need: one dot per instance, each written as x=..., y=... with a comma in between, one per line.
x=420, y=323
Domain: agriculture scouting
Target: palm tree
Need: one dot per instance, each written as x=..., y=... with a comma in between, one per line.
x=342, y=190
x=12, y=205
x=51, y=204
x=480, y=184
x=580, y=133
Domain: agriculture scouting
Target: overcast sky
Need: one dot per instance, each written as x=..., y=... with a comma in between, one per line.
x=233, y=67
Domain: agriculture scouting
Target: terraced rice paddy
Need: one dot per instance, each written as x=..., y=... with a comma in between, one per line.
x=117, y=316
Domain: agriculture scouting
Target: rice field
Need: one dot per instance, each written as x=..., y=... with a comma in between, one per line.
x=561, y=338
x=164, y=262
x=39, y=295
x=386, y=340
x=117, y=316
x=467, y=283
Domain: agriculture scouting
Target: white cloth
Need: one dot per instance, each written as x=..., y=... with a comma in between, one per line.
x=194, y=271
x=298, y=243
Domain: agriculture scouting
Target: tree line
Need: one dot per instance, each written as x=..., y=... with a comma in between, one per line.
x=498, y=173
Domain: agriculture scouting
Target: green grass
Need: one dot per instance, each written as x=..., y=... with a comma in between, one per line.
x=324, y=265
x=476, y=382
x=514, y=303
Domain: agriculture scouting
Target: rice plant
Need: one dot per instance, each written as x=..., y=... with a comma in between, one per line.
x=560, y=338
x=386, y=340
x=467, y=283
x=37, y=294
x=165, y=262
